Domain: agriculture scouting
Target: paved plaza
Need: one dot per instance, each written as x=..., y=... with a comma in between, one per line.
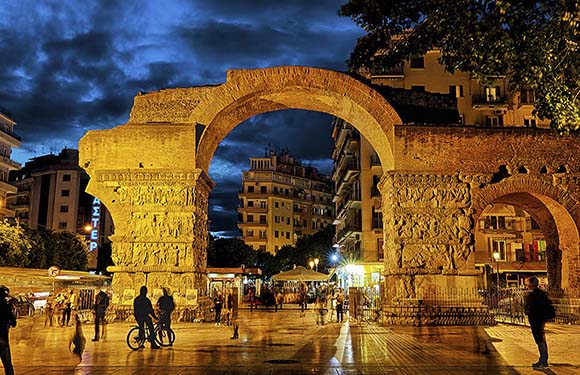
x=287, y=342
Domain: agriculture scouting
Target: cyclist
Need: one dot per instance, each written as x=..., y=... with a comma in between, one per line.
x=143, y=311
x=166, y=305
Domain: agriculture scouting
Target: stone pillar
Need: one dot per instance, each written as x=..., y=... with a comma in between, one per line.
x=428, y=236
x=161, y=231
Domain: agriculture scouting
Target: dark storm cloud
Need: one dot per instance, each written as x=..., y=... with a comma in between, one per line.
x=68, y=67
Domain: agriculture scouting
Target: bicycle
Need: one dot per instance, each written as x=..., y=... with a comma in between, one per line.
x=163, y=336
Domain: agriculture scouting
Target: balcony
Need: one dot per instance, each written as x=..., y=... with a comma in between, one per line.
x=253, y=209
x=489, y=102
x=348, y=231
x=382, y=71
x=10, y=136
x=9, y=162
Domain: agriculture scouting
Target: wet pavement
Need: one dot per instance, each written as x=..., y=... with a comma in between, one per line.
x=286, y=342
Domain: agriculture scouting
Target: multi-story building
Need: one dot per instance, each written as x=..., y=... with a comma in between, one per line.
x=51, y=194
x=282, y=200
x=509, y=245
x=7, y=140
x=357, y=168
x=359, y=227
x=490, y=104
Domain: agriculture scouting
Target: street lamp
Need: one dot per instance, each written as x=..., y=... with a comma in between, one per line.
x=496, y=257
x=316, y=263
x=311, y=263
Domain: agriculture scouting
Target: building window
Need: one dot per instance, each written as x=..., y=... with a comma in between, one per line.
x=250, y=233
x=527, y=96
x=62, y=225
x=250, y=189
x=63, y=208
x=287, y=235
x=288, y=220
x=262, y=219
x=276, y=204
x=262, y=204
x=262, y=235
x=250, y=203
x=529, y=122
x=66, y=177
x=494, y=121
x=262, y=247
x=420, y=88
x=456, y=90
x=498, y=246
x=250, y=218
x=491, y=94
x=418, y=63
x=276, y=249
x=495, y=222
x=262, y=189
x=65, y=193
x=276, y=234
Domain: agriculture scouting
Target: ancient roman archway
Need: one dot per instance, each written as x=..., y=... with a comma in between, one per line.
x=152, y=175
x=152, y=171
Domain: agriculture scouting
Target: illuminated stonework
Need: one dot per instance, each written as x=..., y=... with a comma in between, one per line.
x=151, y=174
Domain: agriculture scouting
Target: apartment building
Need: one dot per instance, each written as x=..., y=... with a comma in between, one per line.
x=357, y=169
x=282, y=200
x=8, y=140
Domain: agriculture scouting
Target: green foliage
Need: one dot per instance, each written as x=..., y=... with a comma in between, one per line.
x=230, y=252
x=25, y=247
x=15, y=247
x=533, y=43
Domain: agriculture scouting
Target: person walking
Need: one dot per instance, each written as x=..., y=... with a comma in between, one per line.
x=217, y=307
x=68, y=301
x=339, y=305
x=229, y=307
x=539, y=309
x=7, y=321
x=49, y=310
x=143, y=311
x=166, y=307
x=101, y=304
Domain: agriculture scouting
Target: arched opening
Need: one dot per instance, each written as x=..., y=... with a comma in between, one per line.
x=246, y=94
x=530, y=233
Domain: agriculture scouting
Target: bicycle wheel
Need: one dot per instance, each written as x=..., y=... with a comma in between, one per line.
x=164, y=336
x=135, y=340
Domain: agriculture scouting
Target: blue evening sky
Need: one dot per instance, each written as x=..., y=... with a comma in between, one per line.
x=73, y=66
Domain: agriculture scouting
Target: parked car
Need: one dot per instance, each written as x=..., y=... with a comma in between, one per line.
x=24, y=306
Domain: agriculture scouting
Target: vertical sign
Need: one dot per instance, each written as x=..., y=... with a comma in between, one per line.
x=95, y=218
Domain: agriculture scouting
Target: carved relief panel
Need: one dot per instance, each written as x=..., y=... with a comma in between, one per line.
x=427, y=221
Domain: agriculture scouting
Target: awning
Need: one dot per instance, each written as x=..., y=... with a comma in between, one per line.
x=300, y=274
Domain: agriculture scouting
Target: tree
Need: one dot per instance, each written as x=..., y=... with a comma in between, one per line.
x=535, y=44
x=72, y=251
x=14, y=246
x=230, y=252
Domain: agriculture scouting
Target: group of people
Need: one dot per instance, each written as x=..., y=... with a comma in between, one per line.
x=142, y=310
x=228, y=316
x=61, y=307
x=538, y=308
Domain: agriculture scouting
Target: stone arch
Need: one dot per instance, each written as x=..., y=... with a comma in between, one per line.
x=247, y=93
x=553, y=208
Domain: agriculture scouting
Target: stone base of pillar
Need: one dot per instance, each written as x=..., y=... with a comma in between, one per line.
x=189, y=289
x=433, y=300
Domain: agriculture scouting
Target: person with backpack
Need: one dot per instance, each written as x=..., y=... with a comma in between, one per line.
x=539, y=309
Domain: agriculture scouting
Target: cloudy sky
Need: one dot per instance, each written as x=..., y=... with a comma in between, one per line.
x=72, y=66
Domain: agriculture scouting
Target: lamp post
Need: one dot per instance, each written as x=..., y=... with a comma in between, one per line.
x=316, y=260
x=496, y=257
x=311, y=264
